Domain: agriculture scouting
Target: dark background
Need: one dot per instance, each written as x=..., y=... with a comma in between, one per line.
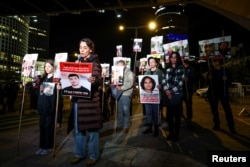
x=67, y=30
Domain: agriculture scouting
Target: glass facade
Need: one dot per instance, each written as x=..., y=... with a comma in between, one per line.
x=20, y=35
x=14, y=37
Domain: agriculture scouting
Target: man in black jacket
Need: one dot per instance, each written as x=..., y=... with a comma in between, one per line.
x=219, y=79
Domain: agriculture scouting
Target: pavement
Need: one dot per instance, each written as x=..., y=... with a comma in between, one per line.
x=133, y=149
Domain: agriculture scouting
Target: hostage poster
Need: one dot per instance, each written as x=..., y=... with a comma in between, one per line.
x=60, y=57
x=149, y=92
x=74, y=79
x=117, y=75
x=222, y=47
x=29, y=67
x=105, y=70
x=137, y=45
x=157, y=45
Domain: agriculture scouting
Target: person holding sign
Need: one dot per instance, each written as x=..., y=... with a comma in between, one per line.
x=152, y=110
x=85, y=116
x=123, y=120
x=219, y=79
x=46, y=107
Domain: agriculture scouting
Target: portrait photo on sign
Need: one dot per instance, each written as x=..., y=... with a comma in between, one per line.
x=148, y=90
x=74, y=79
x=137, y=45
x=29, y=67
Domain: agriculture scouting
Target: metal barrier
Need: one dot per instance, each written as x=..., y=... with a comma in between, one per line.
x=244, y=94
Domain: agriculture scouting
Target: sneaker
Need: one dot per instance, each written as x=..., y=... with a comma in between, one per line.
x=75, y=160
x=39, y=151
x=91, y=162
x=44, y=152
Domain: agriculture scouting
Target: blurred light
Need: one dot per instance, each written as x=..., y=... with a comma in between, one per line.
x=118, y=15
x=152, y=25
x=101, y=11
x=121, y=27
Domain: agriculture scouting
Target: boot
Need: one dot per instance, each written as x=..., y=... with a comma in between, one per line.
x=148, y=129
x=156, y=130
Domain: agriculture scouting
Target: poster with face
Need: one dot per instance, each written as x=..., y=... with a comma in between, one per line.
x=29, y=67
x=149, y=93
x=137, y=45
x=222, y=47
x=180, y=46
x=119, y=50
x=157, y=44
x=105, y=70
x=117, y=75
x=127, y=61
x=206, y=49
x=74, y=79
x=60, y=57
x=167, y=51
x=143, y=64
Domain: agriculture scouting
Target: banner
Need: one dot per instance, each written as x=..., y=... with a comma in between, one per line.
x=149, y=92
x=74, y=79
x=29, y=67
x=218, y=48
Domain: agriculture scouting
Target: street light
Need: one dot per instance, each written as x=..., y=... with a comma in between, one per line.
x=151, y=26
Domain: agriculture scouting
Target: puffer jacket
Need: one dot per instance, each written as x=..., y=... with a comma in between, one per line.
x=89, y=110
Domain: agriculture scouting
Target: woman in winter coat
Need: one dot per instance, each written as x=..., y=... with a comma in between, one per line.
x=85, y=115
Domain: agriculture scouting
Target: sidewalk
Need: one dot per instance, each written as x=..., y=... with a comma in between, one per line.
x=132, y=149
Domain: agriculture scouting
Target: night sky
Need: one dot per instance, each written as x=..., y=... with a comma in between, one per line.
x=67, y=30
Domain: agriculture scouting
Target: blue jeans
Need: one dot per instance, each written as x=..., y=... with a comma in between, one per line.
x=123, y=120
x=152, y=113
x=82, y=139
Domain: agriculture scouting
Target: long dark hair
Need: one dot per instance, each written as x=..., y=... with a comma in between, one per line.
x=178, y=58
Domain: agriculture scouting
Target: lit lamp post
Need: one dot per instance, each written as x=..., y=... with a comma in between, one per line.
x=151, y=26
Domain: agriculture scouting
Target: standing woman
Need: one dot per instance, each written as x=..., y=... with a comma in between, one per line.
x=173, y=89
x=153, y=110
x=46, y=107
x=86, y=112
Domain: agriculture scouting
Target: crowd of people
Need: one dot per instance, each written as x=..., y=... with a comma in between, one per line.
x=175, y=85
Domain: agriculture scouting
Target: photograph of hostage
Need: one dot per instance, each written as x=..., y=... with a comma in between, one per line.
x=76, y=89
x=148, y=84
